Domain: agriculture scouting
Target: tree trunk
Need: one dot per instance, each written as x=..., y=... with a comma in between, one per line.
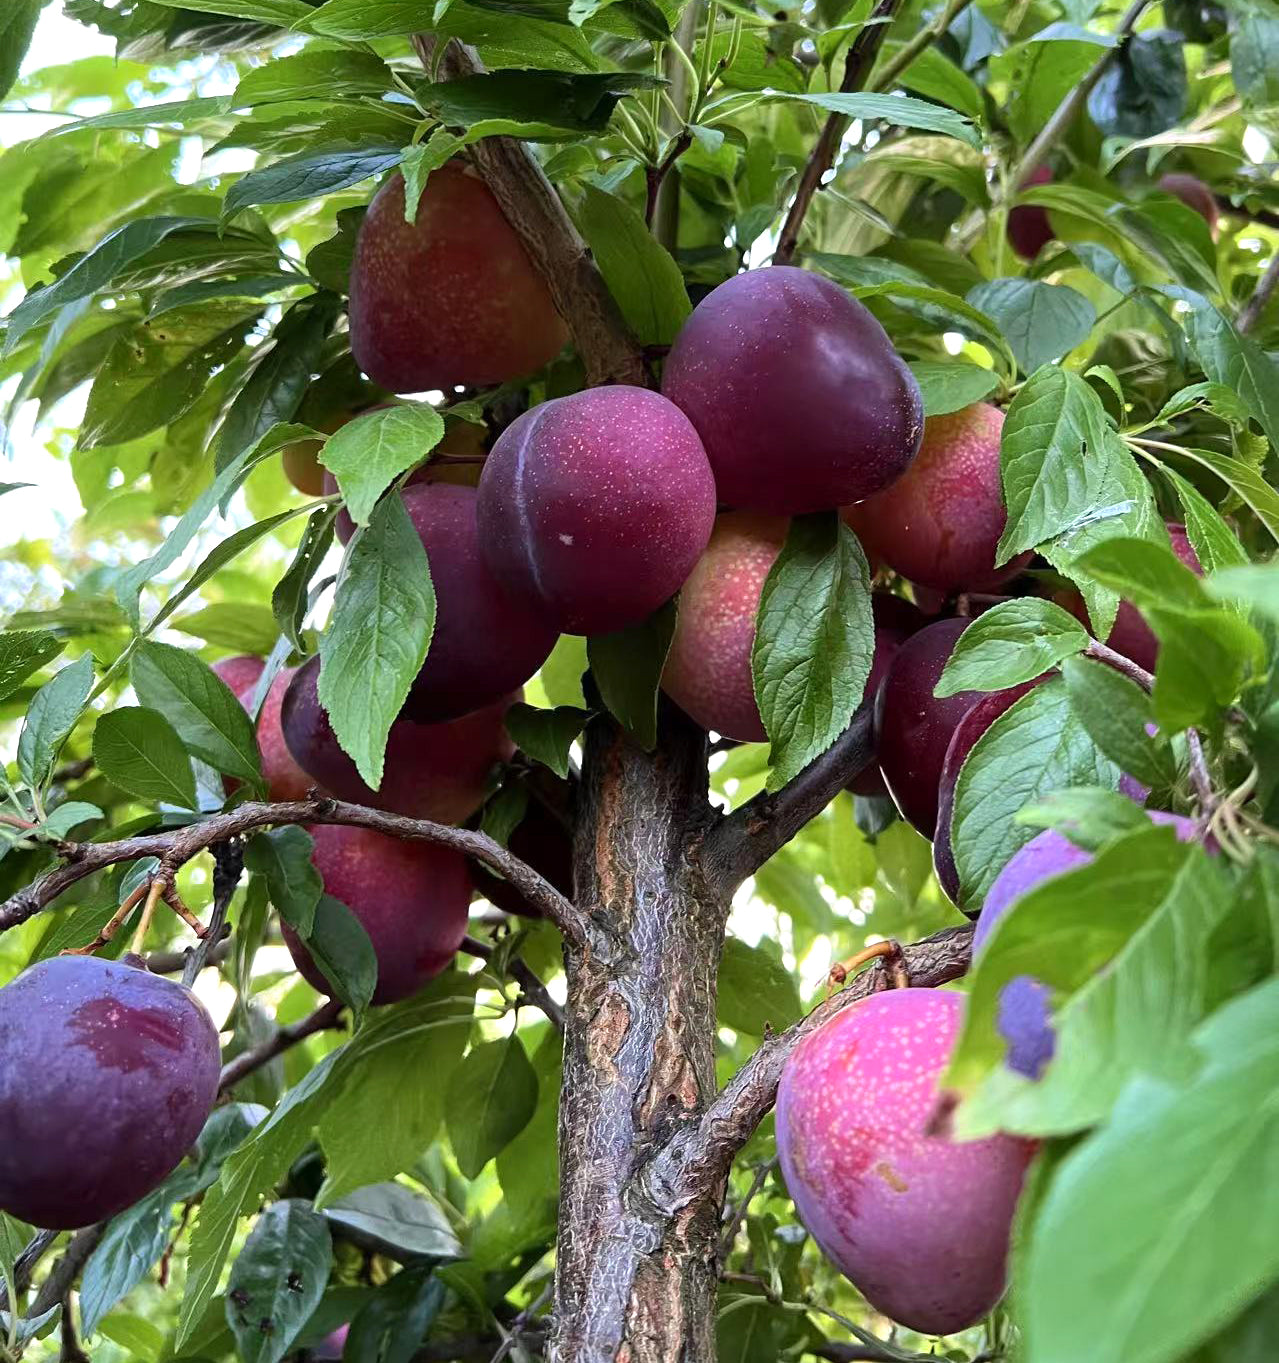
x=636, y=1282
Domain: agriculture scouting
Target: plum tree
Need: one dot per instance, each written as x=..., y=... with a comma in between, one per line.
x=432, y=771
x=410, y=897
x=593, y=508
x=708, y=669
x=920, y=1224
x=285, y=780
x=895, y=621
x=1028, y=227
x=1130, y=635
x=486, y=642
x=796, y=391
x=540, y=840
x=970, y=728
x=1192, y=191
x=939, y=524
x=1025, y=1018
x=450, y=298
x=80, y=1035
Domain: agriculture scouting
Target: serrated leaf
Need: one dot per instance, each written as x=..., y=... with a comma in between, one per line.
x=367, y=455
x=546, y=735
x=1041, y=321
x=949, y=387
x=814, y=639
x=377, y=639
x=282, y=856
x=1116, y=711
x=492, y=1095
x=278, y=1279
x=199, y=705
x=51, y=716
x=137, y=749
x=1013, y=642
x=23, y=652
x=627, y=667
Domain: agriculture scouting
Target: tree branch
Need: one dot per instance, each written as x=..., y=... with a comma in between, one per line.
x=1256, y=305
x=1056, y=127
x=857, y=66
x=175, y=847
x=740, y=844
x=699, y=1156
x=533, y=208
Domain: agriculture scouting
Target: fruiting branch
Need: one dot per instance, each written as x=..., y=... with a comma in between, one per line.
x=699, y=1156
x=533, y=208
x=175, y=847
x=857, y=66
x=746, y=839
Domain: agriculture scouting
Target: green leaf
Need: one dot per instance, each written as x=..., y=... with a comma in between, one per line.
x=367, y=455
x=377, y=639
x=376, y=1125
x=640, y=273
x=94, y=270
x=1041, y=321
x=948, y=386
x=553, y=101
x=309, y=176
x=1231, y=358
x=401, y=1221
x=1187, y=1233
x=342, y=950
x=278, y=1280
x=898, y=110
x=546, y=735
x=51, y=716
x=1033, y=748
x=1116, y=711
x=23, y=652
x=302, y=74
x=137, y=750
x=813, y=641
x=199, y=705
x=627, y=667
x=282, y=856
x=491, y=1097
x=1013, y=642
x=756, y=992
x=16, y=28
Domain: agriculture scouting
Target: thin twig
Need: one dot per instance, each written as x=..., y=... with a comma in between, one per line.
x=1261, y=295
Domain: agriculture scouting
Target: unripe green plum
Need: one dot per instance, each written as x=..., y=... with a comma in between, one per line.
x=451, y=298
x=285, y=780
x=410, y=897
x=107, y=1074
x=939, y=524
x=1028, y=227
x=796, y=391
x=431, y=771
x=1130, y=635
x=920, y=1224
x=593, y=508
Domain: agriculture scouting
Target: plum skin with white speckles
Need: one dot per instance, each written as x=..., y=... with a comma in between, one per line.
x=796, y=390
x=107, y=1074
x=919, y=1224
x=593, y=508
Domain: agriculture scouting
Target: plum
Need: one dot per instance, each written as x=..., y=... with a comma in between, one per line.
x=541, y=841
x=285, y=780
x=939, y=524
x=1192, y=191
x=432, y=771
x=1130, y=635
x=410, y=897
x=486, y=642
x=451, y=298
x=895, y=621
x=1025, y=1017
x=920, y=1224
x=1028, y=227
x=107, y=1074
x=593, y=508
x=913, y=727
x=969, y=729
x=708, y=670
x=796, y=390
